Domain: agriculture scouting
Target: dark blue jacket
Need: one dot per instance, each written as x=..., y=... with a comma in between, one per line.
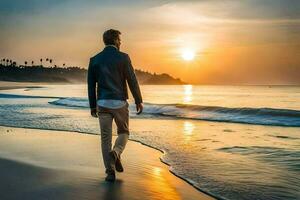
x=107, y=74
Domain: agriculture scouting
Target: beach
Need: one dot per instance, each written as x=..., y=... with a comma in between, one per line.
x=42, y=164
x=231, y=142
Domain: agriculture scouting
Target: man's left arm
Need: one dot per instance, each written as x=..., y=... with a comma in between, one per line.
x=134, y=85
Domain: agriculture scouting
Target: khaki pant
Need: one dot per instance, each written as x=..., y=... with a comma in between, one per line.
x=121, y=118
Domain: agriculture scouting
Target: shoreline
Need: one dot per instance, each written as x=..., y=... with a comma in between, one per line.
x=132, y=140
x=173, y=172
x=9, y=135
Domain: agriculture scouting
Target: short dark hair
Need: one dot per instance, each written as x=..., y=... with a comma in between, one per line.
x=110, y=36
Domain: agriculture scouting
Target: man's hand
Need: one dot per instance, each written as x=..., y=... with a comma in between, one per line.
x=139, y=108
x=94, y=112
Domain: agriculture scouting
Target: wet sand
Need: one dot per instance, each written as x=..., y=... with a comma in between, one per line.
x=42, y=164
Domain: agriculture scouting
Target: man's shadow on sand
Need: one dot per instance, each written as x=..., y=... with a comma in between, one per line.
x=25, y=181
x=112, y=190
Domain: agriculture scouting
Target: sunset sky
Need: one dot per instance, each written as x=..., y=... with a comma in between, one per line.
x=235, y=42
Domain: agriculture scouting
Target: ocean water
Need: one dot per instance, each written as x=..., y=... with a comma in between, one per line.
x=233, y=142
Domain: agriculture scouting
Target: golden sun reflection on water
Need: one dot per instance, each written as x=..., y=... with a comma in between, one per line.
x=188, y=92
x=188, y=130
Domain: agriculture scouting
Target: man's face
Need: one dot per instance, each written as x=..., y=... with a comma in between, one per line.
x=118, y=42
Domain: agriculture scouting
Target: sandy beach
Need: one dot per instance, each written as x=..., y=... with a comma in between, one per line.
x=42, y=164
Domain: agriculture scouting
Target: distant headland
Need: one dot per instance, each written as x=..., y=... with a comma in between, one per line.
x=47, y=72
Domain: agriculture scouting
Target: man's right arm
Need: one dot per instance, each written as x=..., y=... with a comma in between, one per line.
x=91, y=81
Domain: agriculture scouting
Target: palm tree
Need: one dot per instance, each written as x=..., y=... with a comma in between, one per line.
x=32, y=62
x=50, y=61
x=41, y=62
x=64, y=64
x=25, y=63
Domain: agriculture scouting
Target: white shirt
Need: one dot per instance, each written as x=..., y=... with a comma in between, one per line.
x=111, y=103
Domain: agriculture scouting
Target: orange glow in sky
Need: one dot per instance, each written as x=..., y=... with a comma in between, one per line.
x=253, y=42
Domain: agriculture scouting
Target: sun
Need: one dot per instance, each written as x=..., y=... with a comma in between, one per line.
x=188, y=54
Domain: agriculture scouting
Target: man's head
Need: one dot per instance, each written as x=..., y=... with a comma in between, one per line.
x=112, y=37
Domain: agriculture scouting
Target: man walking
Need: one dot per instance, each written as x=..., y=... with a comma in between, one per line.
x=108, y=73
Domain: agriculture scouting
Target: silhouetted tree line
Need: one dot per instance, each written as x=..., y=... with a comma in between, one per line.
x=10, y=71
x=148, y=78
